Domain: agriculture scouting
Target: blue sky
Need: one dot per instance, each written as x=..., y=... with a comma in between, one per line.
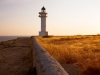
x=65, y=17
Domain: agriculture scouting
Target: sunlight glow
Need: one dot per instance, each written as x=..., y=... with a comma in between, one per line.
x=65, y=17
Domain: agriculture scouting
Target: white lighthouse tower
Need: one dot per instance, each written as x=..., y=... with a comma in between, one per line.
x=43, y=16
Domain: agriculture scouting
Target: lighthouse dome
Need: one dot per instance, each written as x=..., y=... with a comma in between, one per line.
x=43, y=8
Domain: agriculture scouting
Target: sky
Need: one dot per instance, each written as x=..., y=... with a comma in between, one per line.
x=65, y=17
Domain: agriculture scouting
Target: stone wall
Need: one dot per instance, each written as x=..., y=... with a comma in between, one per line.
x=44, y=63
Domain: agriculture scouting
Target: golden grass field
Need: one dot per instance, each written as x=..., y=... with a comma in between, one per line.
x=84, y=51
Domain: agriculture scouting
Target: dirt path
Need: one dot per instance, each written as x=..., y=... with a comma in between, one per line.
x=71, y=69
x=15, y=57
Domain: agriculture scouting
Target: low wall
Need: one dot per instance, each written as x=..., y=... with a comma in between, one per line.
x=44, y=63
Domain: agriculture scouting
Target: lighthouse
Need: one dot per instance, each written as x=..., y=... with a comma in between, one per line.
x=43, y=16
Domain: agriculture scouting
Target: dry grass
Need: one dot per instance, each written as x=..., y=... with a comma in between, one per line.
x=81, y=50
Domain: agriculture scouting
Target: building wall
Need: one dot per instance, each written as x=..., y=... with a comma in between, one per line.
x=44, y=63
x=43, y=23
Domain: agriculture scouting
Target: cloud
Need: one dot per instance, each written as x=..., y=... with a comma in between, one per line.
x=2, y=2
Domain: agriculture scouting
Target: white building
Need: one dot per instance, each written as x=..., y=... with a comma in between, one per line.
x=43, y=16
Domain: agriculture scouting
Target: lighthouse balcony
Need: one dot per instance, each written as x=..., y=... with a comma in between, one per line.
x=43, y=13
x=42, y=16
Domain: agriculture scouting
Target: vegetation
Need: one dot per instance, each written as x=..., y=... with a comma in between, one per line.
x=84, y=51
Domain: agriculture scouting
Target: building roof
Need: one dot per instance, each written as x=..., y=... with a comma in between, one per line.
x=43, y=8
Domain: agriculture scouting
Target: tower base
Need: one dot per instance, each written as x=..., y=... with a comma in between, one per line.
x=43, y=33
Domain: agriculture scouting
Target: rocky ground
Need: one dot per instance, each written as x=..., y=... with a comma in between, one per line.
x=15, y=56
